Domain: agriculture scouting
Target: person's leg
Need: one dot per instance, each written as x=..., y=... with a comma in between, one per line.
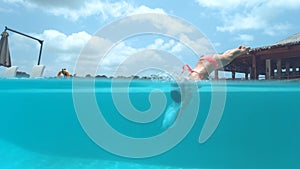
x=228, y=56
x=205, y=66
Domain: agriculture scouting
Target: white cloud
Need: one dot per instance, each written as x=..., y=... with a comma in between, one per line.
x=45, y=3
x=177, y=48
x=56, y=41
x=151, y=61
x=217, y=44
x=241, y=22
x=76, y=9
x=144, y=9
x=273, y=30
x=224, y=4
x=244, y=38
x=240, y=15
x=125, y=57
x=288, y=4
x=231, y=4
x=118, y=54
x=171, y=27
x=160, y=44
x=200, y=46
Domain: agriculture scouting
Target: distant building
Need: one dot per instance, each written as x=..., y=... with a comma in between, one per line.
x=278, y=61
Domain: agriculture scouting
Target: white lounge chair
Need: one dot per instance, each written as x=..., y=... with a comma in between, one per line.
x=11, y=72
x=37, y=71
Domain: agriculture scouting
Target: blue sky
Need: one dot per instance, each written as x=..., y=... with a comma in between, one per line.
x=66, y=27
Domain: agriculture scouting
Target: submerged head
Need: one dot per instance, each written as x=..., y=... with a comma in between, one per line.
x=176, y=96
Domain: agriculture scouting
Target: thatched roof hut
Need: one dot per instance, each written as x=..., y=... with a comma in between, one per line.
x=278, y=61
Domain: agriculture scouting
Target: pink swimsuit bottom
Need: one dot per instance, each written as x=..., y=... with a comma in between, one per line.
x=209, y=58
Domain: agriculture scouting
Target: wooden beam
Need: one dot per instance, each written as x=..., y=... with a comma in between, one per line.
x=294, y=70
x=287, y=70
x=254, y=68
x=268, y=69
x=233, y=74
x=280, y=55
x=216, y=74
x=247, y=73
x=279, y=68
x=283, y=49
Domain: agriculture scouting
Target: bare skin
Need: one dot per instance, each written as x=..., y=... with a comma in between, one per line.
x=202, y=70
x=204, y=67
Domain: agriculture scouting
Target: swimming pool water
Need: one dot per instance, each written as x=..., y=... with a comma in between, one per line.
x=259, y=127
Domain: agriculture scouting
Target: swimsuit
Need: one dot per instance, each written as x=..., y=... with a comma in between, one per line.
x=191, y=71
x=209, y=58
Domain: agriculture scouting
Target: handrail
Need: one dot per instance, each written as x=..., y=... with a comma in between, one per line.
x=40, y=41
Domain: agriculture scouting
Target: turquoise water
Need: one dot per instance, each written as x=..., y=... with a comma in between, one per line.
x=39, y=126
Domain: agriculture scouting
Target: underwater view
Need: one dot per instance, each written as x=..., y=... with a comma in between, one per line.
x=41, y=129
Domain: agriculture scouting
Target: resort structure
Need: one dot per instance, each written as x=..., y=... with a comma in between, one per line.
x=278, y=61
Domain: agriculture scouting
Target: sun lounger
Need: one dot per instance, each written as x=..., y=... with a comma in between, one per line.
x=11, y=72
x=37, y=71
